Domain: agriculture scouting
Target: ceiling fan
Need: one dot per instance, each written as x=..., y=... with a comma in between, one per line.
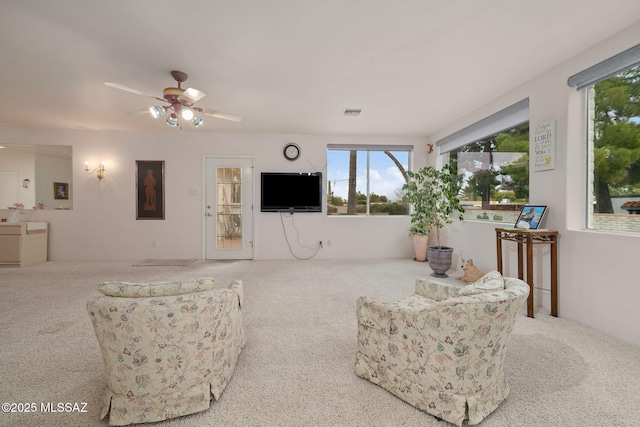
x=181, y=103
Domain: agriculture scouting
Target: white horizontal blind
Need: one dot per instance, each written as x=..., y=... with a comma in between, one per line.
x=369, y=147
x=507, y=118
x=607, y=68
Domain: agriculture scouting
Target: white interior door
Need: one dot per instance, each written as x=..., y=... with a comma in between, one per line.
x=229, y=208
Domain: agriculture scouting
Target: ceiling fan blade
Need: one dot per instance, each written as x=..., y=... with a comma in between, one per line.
x=132, y=90
x=220, y=115
x=142, y=111
x=191, y=96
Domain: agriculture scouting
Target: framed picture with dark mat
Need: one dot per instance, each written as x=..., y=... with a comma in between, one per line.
x=150, y=189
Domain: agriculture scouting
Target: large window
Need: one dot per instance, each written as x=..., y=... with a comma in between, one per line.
x=366, y=180
x=491, y=159
x=613, y=141
x=494, y=175
x=614, y=152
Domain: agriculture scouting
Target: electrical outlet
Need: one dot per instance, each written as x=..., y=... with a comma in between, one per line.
x=328, y=242
x=154, y=243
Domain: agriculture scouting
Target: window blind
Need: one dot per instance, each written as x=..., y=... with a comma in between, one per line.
x=507, y=118
x=369, y=147
x=607, y=68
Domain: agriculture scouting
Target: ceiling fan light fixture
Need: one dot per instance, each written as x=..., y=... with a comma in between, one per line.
x=181, y=103
x=187, y=114
x=157, y=111
x=172, y=120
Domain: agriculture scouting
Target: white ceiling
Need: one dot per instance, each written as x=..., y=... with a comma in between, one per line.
x=286, y=66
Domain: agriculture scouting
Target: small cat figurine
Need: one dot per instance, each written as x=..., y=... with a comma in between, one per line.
x=471, y=272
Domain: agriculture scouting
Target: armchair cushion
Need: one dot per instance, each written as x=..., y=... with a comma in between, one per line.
x=162, y=289
x=437, y=291
x=490, y=282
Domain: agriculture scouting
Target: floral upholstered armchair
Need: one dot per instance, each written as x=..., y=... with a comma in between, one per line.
x=442, y=349
x=168, y=348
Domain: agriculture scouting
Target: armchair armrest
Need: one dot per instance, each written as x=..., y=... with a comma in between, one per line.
x=236, y=286
x=437, y=291
x=373, y=313
x=381, y=315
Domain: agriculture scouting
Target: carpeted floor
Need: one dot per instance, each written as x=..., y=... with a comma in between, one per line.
x=297, y=368
x=164, y=263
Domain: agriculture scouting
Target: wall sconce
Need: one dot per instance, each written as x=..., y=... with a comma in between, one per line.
x=99, y=171
x=26, y=182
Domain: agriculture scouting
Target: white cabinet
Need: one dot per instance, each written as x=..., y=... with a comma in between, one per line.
x=23, y=243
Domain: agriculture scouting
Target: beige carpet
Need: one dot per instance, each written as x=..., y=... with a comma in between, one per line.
x=164, y=263
x=298, y=366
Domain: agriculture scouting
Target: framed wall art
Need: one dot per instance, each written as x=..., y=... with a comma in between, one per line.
x=150, y=189
x=544, y=146
x=61, y=190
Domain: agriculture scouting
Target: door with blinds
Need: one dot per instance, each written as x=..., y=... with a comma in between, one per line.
x=229, y=208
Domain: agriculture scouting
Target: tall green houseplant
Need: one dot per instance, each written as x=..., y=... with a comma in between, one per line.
x=434, y=196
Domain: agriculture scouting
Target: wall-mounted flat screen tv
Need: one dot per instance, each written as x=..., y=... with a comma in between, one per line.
x=291, y=192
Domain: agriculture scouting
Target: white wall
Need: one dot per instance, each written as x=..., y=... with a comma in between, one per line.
x=16, y=166
x=102, y=224
x=597, y=286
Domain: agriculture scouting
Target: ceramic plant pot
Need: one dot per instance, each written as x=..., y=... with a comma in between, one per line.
x=440, y=260
x=420, y=242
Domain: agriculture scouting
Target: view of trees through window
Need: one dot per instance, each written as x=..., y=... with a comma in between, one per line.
x=366, y=181
x=494, y=175
x=614, y=152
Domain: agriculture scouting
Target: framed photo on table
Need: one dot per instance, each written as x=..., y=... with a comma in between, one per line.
x=61, y=190
x=533, y=215
x=149, y=189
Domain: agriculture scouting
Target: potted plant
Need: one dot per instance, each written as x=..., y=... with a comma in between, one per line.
x=434, y=196
x=420, y=221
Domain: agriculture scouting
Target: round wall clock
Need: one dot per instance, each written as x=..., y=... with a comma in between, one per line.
x=291, y=151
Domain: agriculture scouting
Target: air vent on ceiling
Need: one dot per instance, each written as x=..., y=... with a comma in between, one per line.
x=352, y=112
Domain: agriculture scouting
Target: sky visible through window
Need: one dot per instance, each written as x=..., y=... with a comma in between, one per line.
x=385, y=177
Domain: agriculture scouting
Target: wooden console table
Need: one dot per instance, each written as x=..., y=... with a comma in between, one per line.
x=531, y=238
